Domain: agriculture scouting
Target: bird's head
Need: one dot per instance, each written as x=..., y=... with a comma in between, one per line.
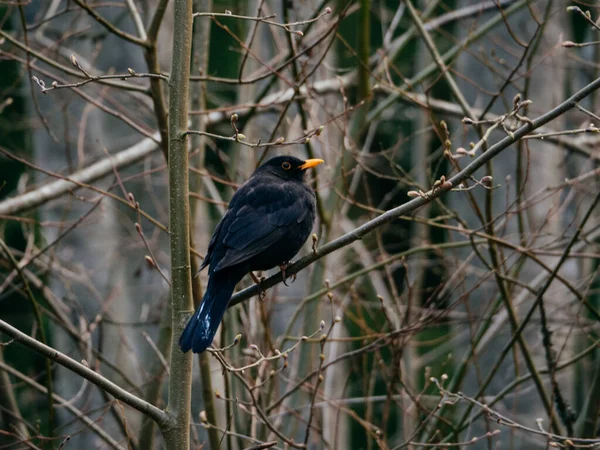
x=289, y=167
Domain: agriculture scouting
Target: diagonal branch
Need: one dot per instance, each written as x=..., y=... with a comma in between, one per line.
x=413, y=205
x=103, y=383
x=109, y=26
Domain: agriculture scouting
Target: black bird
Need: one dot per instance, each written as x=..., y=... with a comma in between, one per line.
x=268, y=220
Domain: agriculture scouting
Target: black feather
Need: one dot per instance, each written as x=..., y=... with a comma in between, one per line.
x=268, y=220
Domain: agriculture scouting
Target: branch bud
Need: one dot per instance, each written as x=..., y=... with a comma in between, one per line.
x=516, y=100
x=203, y=417
x=487, y=180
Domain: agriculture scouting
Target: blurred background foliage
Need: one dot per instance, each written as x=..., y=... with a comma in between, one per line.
x=437, y=304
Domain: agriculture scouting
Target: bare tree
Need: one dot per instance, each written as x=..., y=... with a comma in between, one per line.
x=448, y=296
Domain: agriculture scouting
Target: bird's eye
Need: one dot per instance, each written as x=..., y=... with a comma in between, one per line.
x=286, y=165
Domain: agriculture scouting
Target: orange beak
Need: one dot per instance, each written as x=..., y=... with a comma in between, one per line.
x=309, y=163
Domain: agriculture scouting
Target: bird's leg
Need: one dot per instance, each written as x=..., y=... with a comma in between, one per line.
x=283, y=268
x=261, y=292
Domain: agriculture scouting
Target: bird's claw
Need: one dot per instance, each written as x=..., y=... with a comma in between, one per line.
x=283, y=268
x=261, y=292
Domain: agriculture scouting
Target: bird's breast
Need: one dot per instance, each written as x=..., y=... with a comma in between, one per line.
x=295, y=233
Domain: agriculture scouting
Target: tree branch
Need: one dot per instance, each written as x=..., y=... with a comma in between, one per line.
x=177, y=435
x=413, y=205
x=103, y=383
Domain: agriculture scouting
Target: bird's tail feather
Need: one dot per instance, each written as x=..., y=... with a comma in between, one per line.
x=202, y=326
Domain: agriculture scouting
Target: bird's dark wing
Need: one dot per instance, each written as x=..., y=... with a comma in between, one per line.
x=260, y=220
x=213, y=240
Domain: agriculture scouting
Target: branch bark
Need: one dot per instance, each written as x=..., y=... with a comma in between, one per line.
x=176, y=434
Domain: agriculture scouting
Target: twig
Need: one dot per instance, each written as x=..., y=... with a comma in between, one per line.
x=94, y=78
x=157, y=352
x=322, y=342
x=137, y=19
x=151, y=259
x=278, y=354
x=109, y=26
x=265, y=19
x=556, y=439
x=586, y=15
